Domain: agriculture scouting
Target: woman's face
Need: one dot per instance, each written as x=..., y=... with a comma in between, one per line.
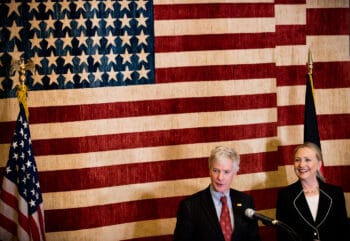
x=306, y=164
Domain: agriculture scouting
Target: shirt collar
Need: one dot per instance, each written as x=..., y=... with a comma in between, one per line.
x=217, y=195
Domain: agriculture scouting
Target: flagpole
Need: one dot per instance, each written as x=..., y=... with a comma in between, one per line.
x=310, y=67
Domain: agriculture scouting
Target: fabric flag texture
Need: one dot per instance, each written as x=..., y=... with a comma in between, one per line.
x=21, y=203
x=128, y=98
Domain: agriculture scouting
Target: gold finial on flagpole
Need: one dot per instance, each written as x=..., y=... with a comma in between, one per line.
x=310, y=63
x=22, y=67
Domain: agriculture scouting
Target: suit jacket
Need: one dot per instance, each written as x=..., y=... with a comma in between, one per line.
x=197, y=219
x=331, y=220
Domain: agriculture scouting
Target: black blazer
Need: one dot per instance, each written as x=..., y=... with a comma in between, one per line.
x=197, y=219
x=331, y=221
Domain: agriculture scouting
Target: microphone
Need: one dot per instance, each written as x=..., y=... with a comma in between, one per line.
x=250, y=213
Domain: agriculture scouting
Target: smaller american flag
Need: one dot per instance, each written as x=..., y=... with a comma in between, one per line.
x=21, y=203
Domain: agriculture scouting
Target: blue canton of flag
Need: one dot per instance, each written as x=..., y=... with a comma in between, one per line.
x=21, y=203
x=77, y=44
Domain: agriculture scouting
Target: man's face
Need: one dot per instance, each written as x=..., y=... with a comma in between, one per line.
x=221, y=174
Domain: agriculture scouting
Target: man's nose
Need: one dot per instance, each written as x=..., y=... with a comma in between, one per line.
x=220, y=175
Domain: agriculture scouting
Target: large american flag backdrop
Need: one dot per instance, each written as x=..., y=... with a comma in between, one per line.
x=128, y=97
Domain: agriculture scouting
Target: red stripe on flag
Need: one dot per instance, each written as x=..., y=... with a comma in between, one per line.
x=331, y=75
x=152, y=138
x=218, y=41
x=9, y=199
x=141, y=108
x=286, y=152
x=290, y=75
x=338, y=175
x=219, y=72
x=290, y=35
x=150, y=108
x=9, y=225
x=6, y=131
x=329, y=131
x=154, y=238
x=290, y=2
x=328, y=75
x=264, y=198
x=290, y=115
x=268, y=233
x=37, y=225
x=294, y=115
x=34, y=229
x=198, y=11
x=23, y=221
x=318, y=21
x=107, y=176
x=132, y=211
x=41, y=219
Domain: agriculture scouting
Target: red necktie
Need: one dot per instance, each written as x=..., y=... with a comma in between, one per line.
x=225, y=220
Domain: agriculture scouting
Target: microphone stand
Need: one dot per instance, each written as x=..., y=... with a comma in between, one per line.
x=286, y=228
x=250, y=213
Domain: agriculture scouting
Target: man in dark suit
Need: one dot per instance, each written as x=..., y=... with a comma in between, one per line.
x=204, y=216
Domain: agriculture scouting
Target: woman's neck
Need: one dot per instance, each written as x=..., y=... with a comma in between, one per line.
x=310, y=187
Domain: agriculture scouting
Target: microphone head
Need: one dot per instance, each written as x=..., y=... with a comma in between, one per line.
x=249, y=213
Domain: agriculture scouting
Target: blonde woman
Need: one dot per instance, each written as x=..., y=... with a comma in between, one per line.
x=314, y=209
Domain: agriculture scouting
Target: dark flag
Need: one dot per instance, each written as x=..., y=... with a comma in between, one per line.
x=21, y=203
x=311, y=133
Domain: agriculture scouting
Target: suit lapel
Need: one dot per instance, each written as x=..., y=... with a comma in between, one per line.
x=324, y=207
x=237, y=211
x=303, y=210
x=209, y=209
x=238, y=214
